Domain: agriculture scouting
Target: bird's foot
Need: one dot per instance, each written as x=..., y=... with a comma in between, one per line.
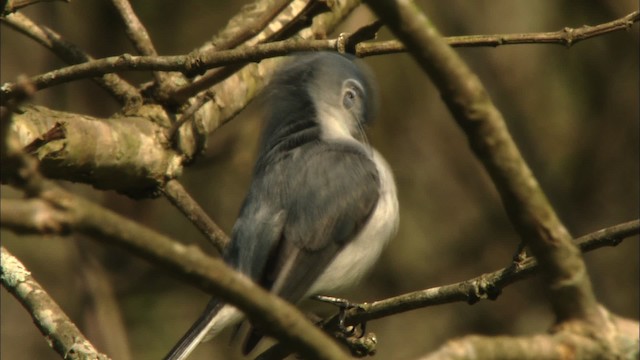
x=344, y=305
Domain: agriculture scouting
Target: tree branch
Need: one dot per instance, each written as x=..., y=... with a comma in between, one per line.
x=60, y=332
x=526, y=204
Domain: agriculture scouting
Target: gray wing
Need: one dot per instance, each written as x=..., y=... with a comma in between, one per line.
x=329, y=202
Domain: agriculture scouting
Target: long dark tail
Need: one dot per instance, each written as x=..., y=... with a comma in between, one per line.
x=194, y=335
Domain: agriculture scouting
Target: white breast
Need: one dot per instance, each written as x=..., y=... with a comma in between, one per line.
x=353, y=262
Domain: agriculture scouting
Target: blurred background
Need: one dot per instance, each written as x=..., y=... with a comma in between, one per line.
x=573, y=112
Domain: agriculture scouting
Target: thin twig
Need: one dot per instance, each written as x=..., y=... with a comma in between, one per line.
x=180, y=198
x=14, y=5
x=140, y=38
x=565, y=37
x=119, y=88
x=61, y=333
x=198, y=62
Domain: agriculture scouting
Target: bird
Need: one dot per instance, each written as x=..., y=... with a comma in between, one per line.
x=322, y=203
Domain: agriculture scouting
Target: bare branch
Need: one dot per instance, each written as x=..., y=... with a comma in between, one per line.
x=60, y=332
x=181, y=199
x=200, y=61
x=526, y=204
x=119, y=88
x=249, y=22
x=189, y=64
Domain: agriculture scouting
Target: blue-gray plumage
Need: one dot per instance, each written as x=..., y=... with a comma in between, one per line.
x=322, y=203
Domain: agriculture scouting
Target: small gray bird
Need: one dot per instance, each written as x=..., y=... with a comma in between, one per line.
x=322, y=203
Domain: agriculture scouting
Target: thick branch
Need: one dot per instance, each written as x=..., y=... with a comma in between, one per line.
x=525, y=203
x=60, y=332
x=128, y=154
x=271, y=313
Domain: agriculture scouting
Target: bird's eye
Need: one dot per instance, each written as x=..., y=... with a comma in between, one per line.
x=349, y=98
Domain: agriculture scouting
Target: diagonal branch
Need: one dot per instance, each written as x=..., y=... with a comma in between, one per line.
x=281, y=319
x=527, y=206
x=60, y=332
x=298, y=15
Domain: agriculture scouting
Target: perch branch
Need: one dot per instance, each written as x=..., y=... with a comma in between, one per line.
x=60, y=332
x=486, y=286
